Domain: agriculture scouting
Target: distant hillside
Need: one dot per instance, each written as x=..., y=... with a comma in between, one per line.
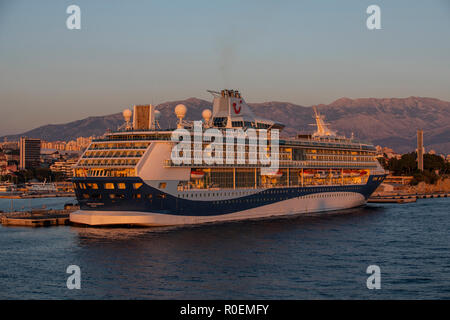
x=388, y=122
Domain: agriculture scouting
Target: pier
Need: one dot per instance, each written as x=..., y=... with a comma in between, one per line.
x=36, y=195
x=405, y=198
x=40, y=218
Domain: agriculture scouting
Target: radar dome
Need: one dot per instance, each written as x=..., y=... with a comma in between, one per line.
x=127, y=114
x=157, y=114
x=180, y=110
x=206, y=114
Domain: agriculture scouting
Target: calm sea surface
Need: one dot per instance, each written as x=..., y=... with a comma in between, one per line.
x=307, y=257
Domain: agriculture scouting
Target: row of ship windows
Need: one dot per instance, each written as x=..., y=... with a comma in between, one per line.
x=163, y=196
x=327, y=195
x=117, y=154
x=122, y=186
x=107, y=186
x=340, y=158
x=128, y=145
x=243, y=193
x=106, y=161
x=96, y=196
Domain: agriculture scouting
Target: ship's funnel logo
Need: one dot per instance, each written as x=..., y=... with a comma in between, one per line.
x=237, y=110
x=213, y=147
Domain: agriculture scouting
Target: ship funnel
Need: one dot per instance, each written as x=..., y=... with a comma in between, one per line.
x=144, y=117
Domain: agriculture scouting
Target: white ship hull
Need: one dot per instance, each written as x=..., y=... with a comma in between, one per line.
x=319, y=202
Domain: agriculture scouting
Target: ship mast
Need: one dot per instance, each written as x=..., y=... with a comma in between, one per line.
x=322, y=127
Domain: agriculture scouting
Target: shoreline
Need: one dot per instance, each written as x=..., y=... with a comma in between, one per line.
x=37, y=196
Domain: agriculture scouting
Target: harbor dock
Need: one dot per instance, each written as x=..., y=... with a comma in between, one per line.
x=404, y=198
x=41, y=218
x=36, y=195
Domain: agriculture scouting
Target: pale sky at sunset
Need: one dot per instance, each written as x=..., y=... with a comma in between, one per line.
x=131, y=52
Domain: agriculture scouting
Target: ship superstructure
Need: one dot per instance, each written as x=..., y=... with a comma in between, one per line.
x=129, y=177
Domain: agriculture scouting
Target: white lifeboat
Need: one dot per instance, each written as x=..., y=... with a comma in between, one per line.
x=274, y=174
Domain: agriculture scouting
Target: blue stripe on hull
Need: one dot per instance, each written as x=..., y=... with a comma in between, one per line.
x=156, y=201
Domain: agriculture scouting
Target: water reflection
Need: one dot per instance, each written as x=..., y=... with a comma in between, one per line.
x=306, y=256
x=203, y=261
x=234, y=228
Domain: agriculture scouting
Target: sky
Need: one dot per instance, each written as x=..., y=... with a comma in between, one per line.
x=139, y=52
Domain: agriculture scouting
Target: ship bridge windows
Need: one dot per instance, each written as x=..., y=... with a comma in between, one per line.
x=220, y=122
x=260, y=125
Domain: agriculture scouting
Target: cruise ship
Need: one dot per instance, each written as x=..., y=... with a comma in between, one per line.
x=130, y=176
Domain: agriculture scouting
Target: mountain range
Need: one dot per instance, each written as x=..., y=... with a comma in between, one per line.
x=390, y=122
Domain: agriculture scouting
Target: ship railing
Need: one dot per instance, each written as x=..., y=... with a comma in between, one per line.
x=105, y=165
x=317, y=143
x=282, y=164
x=120, y=138
x=115, y=149
x=266, y=186
x=112, y=158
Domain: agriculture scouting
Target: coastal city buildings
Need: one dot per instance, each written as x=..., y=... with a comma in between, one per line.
x=30, y=153
x=387, y=152
x=64, y=166
x=78, y=144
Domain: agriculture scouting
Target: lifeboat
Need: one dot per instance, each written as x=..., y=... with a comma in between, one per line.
x=274, y=174
x=363, y=173
x=308, y=173
x=197, y=174
x=321, y=175
x=351, y=173
x=336, y=174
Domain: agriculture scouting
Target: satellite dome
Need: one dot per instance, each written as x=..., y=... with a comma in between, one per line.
x=180, y=110
x=206, y=114
x=157, y=114
x=127, y=114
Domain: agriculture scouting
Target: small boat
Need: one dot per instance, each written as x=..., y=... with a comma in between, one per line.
x=197, y=174
x=273, y=174
x=307, y=173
